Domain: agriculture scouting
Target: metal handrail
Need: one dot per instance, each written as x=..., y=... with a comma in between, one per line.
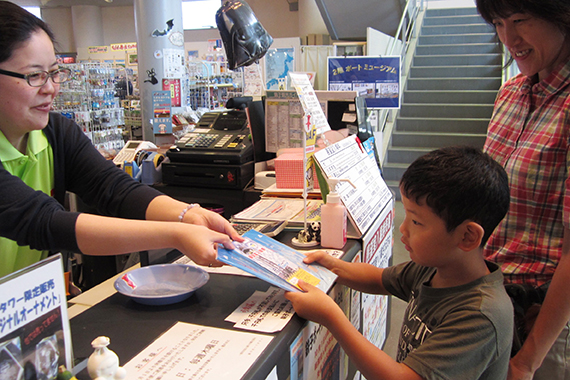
x=406, y=33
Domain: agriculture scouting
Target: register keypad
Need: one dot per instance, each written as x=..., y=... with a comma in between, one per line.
x=201, y=140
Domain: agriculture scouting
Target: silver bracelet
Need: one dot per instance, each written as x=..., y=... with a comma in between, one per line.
x=190, y=206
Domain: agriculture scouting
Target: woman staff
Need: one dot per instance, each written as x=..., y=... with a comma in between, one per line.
x=43, y=155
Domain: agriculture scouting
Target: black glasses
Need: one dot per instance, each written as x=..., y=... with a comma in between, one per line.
x=39, y=78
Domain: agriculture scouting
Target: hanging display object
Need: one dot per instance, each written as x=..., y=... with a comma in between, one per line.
x=245, y=40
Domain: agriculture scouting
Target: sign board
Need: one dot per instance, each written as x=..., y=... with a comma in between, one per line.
x=368, y=194
x=34, y=327
x=375, y=78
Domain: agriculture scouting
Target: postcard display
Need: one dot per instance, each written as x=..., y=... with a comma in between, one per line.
x=315, y=354
x=34, y=328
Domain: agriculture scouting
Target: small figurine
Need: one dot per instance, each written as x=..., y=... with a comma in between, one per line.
x=315, y=231
x=64, y=374
x=308, y=237
x=103, y=364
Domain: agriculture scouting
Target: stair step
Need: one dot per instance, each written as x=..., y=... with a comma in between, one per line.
x=450, y=90
x=458, y=39
x=478, y=111
x=442, y=125
x=393, y=173
x=453, y=20
x=457, y=97
x=405, y=155
x=487, y=48
x=436, y=140
x=457, y=60
x=430, y=30
x=434, y=12
x=456, y=71
x=467, y=84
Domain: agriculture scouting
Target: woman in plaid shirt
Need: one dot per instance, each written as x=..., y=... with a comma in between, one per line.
x=529, y=134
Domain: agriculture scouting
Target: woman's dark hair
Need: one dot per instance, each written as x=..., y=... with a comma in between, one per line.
x=16, y=27
x=459, y=183
x=556, y=12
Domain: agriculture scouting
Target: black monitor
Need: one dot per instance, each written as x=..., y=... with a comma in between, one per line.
x=256, y=116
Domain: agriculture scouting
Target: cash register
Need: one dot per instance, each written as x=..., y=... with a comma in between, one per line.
x=217, y=153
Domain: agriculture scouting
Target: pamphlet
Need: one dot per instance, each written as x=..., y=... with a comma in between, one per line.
x=279, y=209
x=275, y=262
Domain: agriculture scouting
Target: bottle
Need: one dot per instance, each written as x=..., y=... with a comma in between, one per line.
x=333, y=219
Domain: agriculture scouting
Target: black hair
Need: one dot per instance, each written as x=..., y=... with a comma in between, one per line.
x=16, y=27
x=459, y=183
x=556, y=12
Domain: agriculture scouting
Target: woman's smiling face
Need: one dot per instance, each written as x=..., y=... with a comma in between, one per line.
x=537, y=46
x=24, y=108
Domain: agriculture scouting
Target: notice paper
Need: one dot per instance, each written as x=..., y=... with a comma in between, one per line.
x=264, y=312
x=187, y=351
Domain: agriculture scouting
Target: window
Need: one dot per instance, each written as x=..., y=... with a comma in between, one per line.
x=200, y=14
x=35, y=11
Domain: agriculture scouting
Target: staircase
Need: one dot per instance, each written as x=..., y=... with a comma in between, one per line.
x=451, y=87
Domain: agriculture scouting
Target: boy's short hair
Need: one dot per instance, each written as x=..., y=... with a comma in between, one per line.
x=459, y=183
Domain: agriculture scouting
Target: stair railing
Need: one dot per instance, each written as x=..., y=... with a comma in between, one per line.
x=405, y=36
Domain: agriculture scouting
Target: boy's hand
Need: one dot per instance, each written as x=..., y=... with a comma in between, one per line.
x=322, y=258
x=313, y=304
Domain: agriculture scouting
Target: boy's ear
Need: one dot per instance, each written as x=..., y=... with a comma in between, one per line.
x=472, y=236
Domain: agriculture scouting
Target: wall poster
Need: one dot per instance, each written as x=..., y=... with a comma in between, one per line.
x=377, y=79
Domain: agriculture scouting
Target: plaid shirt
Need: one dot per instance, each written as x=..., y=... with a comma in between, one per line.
x=529, y=136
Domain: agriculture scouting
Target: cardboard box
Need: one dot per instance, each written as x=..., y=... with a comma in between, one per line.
x=289, y=172
x=318, y=39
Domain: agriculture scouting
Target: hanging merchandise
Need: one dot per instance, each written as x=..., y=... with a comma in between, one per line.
x=210, y=86
x=90, y=99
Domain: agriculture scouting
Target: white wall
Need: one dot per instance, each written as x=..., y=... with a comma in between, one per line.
x=310, y=19
x=118, y=25
x=60, y=21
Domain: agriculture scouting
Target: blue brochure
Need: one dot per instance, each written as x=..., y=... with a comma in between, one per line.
x=275, y=262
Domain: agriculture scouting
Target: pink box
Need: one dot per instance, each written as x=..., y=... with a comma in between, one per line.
x=289, y=172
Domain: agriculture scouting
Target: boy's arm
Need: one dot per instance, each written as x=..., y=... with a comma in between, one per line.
x=359, y=276
x=372, y=362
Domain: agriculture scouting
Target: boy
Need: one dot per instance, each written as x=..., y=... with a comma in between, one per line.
x=459, y=319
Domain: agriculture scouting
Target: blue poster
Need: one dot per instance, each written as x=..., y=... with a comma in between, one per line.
x=377, y=79
x=278, y=64
x=162, y=121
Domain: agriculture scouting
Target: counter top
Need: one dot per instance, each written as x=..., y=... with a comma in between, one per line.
x=132, y=326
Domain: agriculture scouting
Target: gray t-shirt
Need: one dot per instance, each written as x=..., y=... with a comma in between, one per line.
x=463, y=332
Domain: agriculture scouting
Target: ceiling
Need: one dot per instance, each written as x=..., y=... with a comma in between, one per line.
x=343, y=19
x=69, y=3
